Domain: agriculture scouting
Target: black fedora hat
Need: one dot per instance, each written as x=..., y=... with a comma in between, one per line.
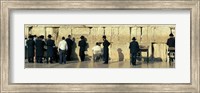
x=133, y=38
x=49, y=36
x=104, y=36
x=171, y=34
x=30, y=36
x=42, y=37
x=82, y=37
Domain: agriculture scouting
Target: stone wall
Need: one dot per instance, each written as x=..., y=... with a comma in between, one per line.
x=153, y=36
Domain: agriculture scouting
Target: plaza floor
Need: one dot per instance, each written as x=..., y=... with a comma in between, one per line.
x=91, y=64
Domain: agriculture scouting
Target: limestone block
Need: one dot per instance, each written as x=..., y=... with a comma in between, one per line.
x=108, y=33
x=160, y=51
x=114, y=34
x=124, y=34
x=60, y=33
x=164, y=34
x=81, y=31
x=138, y=35
x=26, y=32
x=133, y=32
x=124, y=31
x=97, y=31
x=92, y=34
x=161, y=34
x=49, y=31
x=151, y=34
x=38, y=31
x=97, y=34
x=64, y=32
x=144, y=36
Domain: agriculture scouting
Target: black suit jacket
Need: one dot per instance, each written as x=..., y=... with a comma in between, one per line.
x=134, y=47
x=39, y=47
x=82, y=44
x=106, y=45
x=30, y=44
x=50, y=43
x=69, y=43
x=171, y=42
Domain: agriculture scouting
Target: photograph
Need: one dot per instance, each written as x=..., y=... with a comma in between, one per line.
x=99, y=45
x=103, y=46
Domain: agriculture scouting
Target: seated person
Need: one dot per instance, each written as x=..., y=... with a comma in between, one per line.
x=171, y=47
x=97, y=52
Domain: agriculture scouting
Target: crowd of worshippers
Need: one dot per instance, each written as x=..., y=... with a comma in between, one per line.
x=62, y=53
x=36, y=46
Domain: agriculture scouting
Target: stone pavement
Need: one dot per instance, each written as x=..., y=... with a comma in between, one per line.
x=90, y=64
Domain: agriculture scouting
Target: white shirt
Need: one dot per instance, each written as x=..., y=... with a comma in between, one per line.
x=62, y=45
x=96, y=49
x=34, y=39
x=25, y=42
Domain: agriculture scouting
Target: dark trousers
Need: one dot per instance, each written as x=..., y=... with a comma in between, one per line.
x=62, y=55
x=82, y=55
x=26, y=52
x=51, y=59
x=39, y=59
x=105, y=57
x=133, y=58
x=30, y=59
x=69, y=52
x=96, y=57
x=171, y=55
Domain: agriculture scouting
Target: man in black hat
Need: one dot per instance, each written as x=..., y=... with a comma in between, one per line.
x=105, y=50
x=171, y=41
x=30, y=44
x=69, y=51
x=34, y=38
x=171, y=44
x=134, y=48
x=50, y=45
x=82, y=44
x=39, y=49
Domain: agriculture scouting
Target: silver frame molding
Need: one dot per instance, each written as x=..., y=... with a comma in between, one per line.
x=8, y=5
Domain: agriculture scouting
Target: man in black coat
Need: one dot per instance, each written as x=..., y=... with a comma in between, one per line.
x=82, y=44
x=26, y=49
x=171, y=44
x=171, y=41
x=39, y=49
x=30, y=44
x=105, y=50
x=134, y=48
x=69, y=51
x=50, y=48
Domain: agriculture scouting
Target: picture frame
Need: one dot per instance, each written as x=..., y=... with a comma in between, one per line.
x=9, y=5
